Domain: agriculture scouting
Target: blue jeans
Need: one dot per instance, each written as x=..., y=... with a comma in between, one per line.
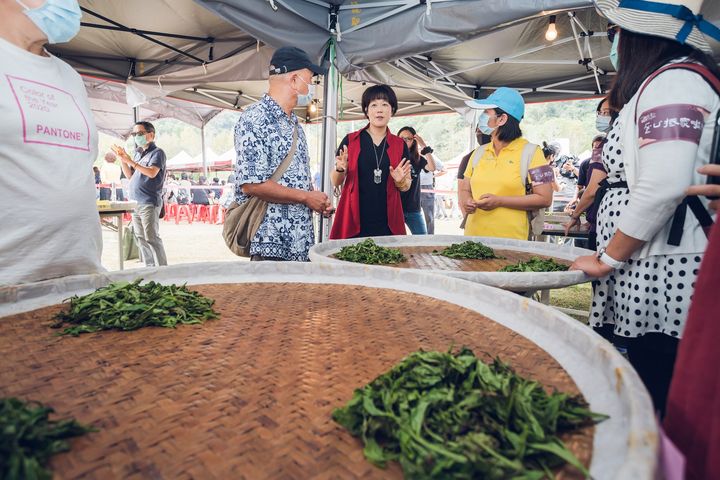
x=416, y=222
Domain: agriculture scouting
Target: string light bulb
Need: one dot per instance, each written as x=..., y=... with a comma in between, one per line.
x=551, y=33
x=312, y=108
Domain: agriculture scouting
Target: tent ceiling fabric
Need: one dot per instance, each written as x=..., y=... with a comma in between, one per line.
x=114, y=116
x=377, y=31
x=435, y=53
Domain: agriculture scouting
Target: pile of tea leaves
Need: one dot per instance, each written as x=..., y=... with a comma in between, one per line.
x=129, y=306
x=536, y=264
x=368, y=252
x=28, y=438
x=452, y=416
x=468, y=250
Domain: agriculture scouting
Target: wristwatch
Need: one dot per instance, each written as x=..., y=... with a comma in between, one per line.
x=426, y=150
x=608, y=260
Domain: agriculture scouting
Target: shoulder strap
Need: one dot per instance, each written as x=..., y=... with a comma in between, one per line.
x=477, y=155
x=288, y=158
x=701, y=70
x=527, y=155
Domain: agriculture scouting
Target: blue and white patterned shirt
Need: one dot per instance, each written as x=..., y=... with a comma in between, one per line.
x=263, y=137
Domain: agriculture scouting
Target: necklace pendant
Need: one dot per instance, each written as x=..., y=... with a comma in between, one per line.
x=378, y=175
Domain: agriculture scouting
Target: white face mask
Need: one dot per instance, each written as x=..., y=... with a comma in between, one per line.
x=306, y=99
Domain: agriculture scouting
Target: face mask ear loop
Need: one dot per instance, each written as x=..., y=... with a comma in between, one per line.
x=23, y=5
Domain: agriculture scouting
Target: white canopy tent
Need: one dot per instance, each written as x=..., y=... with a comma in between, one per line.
x=435, y=53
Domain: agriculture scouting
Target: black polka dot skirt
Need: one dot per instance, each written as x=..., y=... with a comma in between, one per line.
x=646, y=295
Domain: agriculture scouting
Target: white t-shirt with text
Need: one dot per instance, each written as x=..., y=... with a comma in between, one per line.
x=48, y=142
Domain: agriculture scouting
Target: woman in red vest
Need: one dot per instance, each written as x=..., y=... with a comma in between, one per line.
x=372, y=168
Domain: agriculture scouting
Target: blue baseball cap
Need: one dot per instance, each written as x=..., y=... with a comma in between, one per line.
x=507, y=99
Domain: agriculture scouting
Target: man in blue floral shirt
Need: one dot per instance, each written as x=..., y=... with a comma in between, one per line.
x=263, y=138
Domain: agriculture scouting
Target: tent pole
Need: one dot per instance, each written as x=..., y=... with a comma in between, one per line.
x=202, y=147
x=329, y=135
x=136, y=115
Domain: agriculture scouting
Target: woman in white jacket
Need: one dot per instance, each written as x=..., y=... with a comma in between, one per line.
x=650, y=243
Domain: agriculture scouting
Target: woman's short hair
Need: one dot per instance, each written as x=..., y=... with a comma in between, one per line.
x=511, y=130
x=379, y=92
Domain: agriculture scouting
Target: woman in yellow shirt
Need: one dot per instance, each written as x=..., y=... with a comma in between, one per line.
x=492, y=194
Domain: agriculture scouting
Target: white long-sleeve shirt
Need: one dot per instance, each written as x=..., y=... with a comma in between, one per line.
x=675, y=103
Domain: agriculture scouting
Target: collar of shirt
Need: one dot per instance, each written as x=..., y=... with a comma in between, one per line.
x=150, y=147
x=510, y=148
x=276, y=111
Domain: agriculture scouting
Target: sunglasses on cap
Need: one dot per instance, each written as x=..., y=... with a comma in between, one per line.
x=611, y=32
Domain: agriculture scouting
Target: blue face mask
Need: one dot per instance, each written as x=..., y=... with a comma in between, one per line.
x=602, y=123
x=141, y=140
x=306, y=99
x=614, y=53
x=483, y=124
x=59, y=20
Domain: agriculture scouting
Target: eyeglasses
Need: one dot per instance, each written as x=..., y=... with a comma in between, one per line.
x=138, y=134
x=407, y=139
x=612, y=30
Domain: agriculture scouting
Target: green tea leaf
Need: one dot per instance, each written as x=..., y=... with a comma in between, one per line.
x=28, y=438
x=129, y=306
x=369, y=253
x=445, y=415
x=536, y=264
x=468, y=250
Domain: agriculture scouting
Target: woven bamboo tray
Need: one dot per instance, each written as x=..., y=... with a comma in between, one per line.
x=250, y=395
x=419, y=253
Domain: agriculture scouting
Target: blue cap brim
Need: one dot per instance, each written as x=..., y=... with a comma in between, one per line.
x=480, y=104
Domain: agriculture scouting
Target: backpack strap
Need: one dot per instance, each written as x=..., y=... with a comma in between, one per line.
x=692, y=201
x=477, y=155
x=527, y=155
x=701, y=70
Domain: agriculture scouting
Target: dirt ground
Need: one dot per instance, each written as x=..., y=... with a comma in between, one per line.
x=202, y=242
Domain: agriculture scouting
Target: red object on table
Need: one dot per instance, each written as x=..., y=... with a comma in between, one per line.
x=692, y=420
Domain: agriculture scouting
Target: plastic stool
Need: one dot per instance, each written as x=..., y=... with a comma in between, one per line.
x=171, y=211
x=202, y=213
x=184, y=210
x=213, y=215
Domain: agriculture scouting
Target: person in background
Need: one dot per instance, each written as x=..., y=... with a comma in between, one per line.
x=96, y=172
x=171, y=189
x=493, y=194
x=482, y=139
x=603, y=115
x=49, y=222
x=427, y=194
x=265, y=134
x=647, y=262
x=110, y=175
x=421, y=161
x=216, y=189
x=184, y=190
x=199, y=194
x=372, y=168
x=146, y=171
x=593, y=176
x=550, y=151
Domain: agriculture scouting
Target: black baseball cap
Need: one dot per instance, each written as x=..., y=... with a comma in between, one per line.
x=291, y=59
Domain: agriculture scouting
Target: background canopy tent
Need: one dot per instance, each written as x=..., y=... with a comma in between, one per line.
x=436, y=53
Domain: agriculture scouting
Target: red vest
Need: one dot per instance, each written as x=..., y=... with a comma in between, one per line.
x=347, y=216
